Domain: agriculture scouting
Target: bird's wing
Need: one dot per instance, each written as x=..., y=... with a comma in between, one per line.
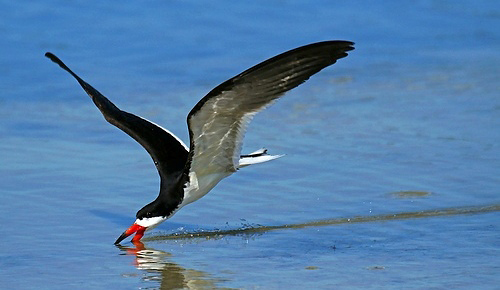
x=218, y=121
x=169, y=153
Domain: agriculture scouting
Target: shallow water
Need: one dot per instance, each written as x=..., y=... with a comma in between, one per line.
x=391, y=173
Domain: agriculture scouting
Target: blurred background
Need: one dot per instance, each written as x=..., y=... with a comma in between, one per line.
x=407, y=123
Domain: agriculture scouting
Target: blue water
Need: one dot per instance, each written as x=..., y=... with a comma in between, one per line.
x=408, y=122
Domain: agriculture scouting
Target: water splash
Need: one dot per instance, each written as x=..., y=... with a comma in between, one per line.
x=245, y=230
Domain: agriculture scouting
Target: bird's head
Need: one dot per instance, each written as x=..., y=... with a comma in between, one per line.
x=147, y=218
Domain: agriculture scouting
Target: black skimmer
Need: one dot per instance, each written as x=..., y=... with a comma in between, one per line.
x=216, y=126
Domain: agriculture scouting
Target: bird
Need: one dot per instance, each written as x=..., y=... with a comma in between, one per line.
x=216, y=125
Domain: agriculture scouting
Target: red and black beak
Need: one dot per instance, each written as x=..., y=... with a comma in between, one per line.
x=135, y=228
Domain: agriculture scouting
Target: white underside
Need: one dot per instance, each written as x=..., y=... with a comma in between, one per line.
x=199, y=186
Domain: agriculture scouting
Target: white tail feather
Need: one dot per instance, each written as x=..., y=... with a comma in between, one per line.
x=258, y=156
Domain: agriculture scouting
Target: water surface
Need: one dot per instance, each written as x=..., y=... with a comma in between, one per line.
x=391, y=173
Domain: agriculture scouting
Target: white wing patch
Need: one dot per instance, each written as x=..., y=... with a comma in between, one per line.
x=196, y=188
x=192, y=185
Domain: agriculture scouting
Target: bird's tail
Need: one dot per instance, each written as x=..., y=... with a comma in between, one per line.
x=258, y=156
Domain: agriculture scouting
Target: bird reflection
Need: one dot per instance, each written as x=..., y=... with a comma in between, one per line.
x=158, y=269
x=169, y=275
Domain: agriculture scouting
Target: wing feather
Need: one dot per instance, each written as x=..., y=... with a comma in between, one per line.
x=218, y=122
x=167, y=151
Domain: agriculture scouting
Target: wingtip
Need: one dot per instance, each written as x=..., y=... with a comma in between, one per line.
x=342, y=48
x=62, y=65
x=346, y=45
x=56, y=60
x=52, y=57
x=342, y=44
x=350, y=45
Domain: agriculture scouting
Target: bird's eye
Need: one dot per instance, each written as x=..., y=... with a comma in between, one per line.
x=148, y=215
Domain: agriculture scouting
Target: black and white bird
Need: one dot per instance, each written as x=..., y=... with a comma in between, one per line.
x=216, y=125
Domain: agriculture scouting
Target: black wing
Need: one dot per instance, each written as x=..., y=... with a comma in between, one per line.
x=168, y=152
x=217, y=123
